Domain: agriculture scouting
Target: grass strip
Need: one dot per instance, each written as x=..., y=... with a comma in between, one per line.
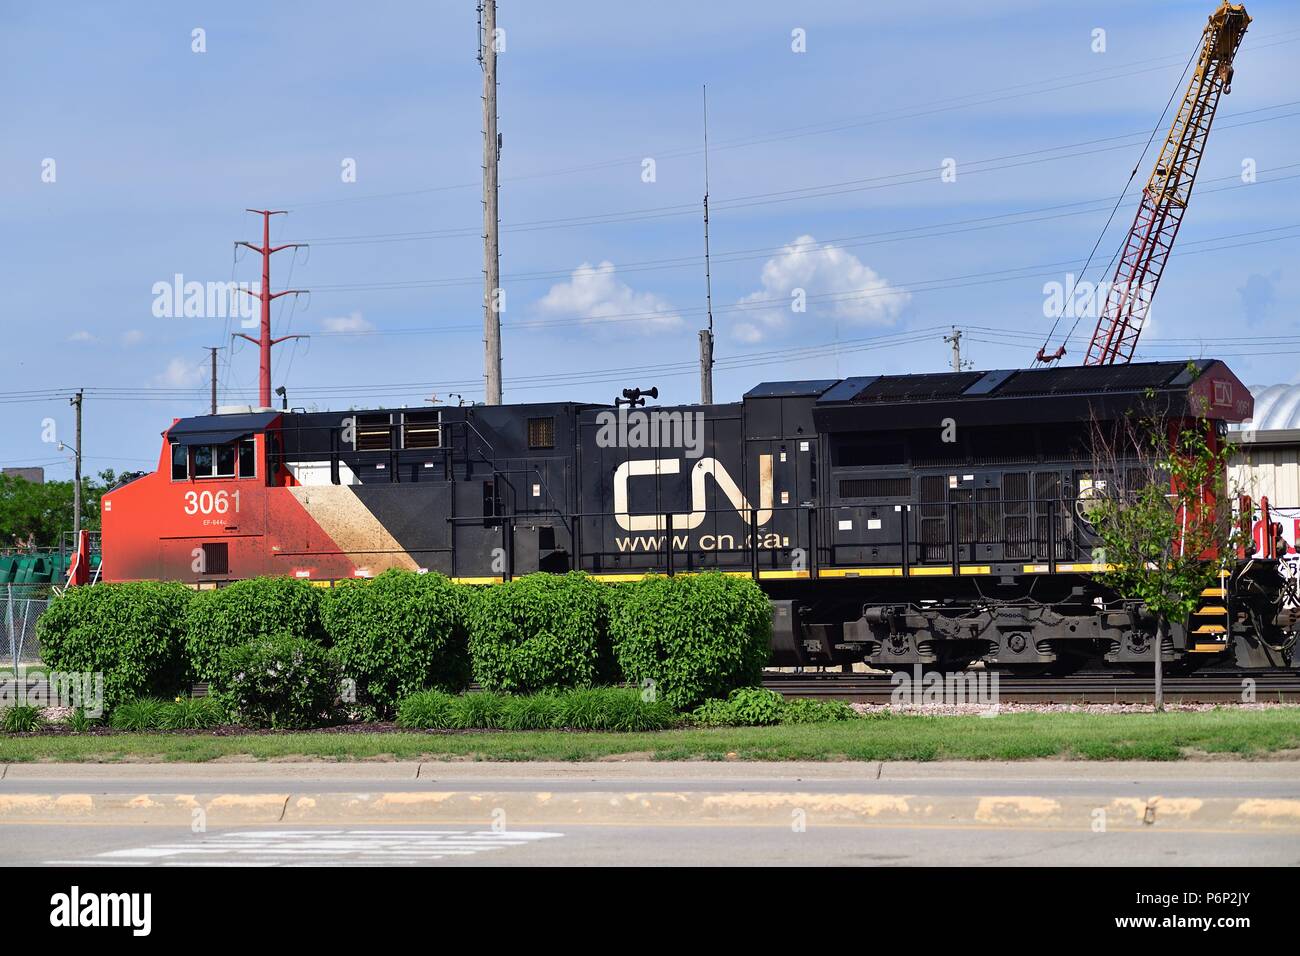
x=1170, y=736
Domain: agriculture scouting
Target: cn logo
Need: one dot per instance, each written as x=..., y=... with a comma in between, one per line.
x=703, y=469
x=1222, y=393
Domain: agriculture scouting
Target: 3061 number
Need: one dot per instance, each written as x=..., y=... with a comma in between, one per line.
x=211, y=502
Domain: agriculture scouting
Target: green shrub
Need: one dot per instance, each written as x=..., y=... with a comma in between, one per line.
x=755, y=706
x=278, y=681
x=132, y=633
x=714, y=712
x=397, y=634
x=236, y=614
x=21, y=719
x=191, y=713
x=744, y=707
x=594, y=708
x=540, y=632
x=143, y=713
x=758, y=707
x=539, y=711
x=78, y=722
x=584, y=709
x=693, y=636
x=613, y=708
x=479, y=710
x=428, y=710
x=805, y=710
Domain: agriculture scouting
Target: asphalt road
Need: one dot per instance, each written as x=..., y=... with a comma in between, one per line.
x=784, y=837
x=92, y=846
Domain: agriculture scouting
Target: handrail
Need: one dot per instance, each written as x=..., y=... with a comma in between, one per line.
x=1041, y=511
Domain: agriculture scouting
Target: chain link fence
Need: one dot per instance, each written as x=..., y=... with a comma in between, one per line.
x=21, y=605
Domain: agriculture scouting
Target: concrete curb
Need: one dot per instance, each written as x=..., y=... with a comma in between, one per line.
x=668, y=808
x=600, y=771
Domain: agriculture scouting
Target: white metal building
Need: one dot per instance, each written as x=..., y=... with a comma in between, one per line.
x=1266, y=460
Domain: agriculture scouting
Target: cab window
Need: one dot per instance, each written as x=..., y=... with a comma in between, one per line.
x=180, y=463
x=225, y=464
x=247, y=458
x=214, y=461
x=202, y=461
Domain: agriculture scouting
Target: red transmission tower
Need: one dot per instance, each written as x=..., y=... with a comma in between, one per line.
x=265, y=296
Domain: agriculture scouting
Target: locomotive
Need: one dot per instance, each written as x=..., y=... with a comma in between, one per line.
x=897, y=520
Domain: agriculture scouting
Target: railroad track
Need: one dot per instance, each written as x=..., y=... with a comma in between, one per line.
x=1083, y=688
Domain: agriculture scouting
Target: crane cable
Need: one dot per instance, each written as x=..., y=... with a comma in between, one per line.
x=1106, y=228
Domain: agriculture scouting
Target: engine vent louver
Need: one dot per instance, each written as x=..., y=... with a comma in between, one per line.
x=875, y=488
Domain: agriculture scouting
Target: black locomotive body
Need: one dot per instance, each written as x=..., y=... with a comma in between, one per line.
x=899, y=520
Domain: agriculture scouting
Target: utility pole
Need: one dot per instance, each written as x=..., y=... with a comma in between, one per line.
x=76, y=472
x=213, y=350
x=706, y=335
x=955, y=339
x=487, y=57
x=265, y=296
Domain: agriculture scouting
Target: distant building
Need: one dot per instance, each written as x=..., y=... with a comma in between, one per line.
x=1266, y=458
x=35, y=475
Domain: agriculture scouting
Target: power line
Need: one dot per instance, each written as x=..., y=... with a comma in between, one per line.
x=171, y=393
x=820, y=191
x=1042, y=356
x=132, y=393
x=893, y=289
x=861, y=240
x=929, y=108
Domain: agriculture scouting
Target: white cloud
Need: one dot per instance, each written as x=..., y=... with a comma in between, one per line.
x=594, y=293
x=855, y=293
x=348, y=323
x=132, y=337
x=181, y=374
x=82, y=337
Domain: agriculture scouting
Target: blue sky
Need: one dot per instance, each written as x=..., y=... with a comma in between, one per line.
x=825, y=169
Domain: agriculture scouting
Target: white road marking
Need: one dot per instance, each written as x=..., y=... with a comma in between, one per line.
x=315, y=847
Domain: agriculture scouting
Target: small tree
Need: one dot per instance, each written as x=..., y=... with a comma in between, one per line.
x=33, y=515
x=1159, y=503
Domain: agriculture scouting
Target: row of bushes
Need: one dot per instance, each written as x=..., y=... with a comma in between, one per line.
x=758, y=707
x=276, y=649
x=609, y=708
x=593, y=708
x=144, y=713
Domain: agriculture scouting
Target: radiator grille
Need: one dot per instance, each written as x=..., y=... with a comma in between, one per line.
x=934, y=519
x=216, y=558
x=541, y=433
x=875, y=487
x=1015, y=494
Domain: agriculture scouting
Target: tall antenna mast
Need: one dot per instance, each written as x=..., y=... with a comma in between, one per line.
x=487, y=57
x=706, y=335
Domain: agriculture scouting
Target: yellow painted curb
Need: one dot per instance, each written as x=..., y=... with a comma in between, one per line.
x=655, y=808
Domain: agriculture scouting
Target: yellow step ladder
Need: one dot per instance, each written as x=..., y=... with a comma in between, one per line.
x=1209, y=624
